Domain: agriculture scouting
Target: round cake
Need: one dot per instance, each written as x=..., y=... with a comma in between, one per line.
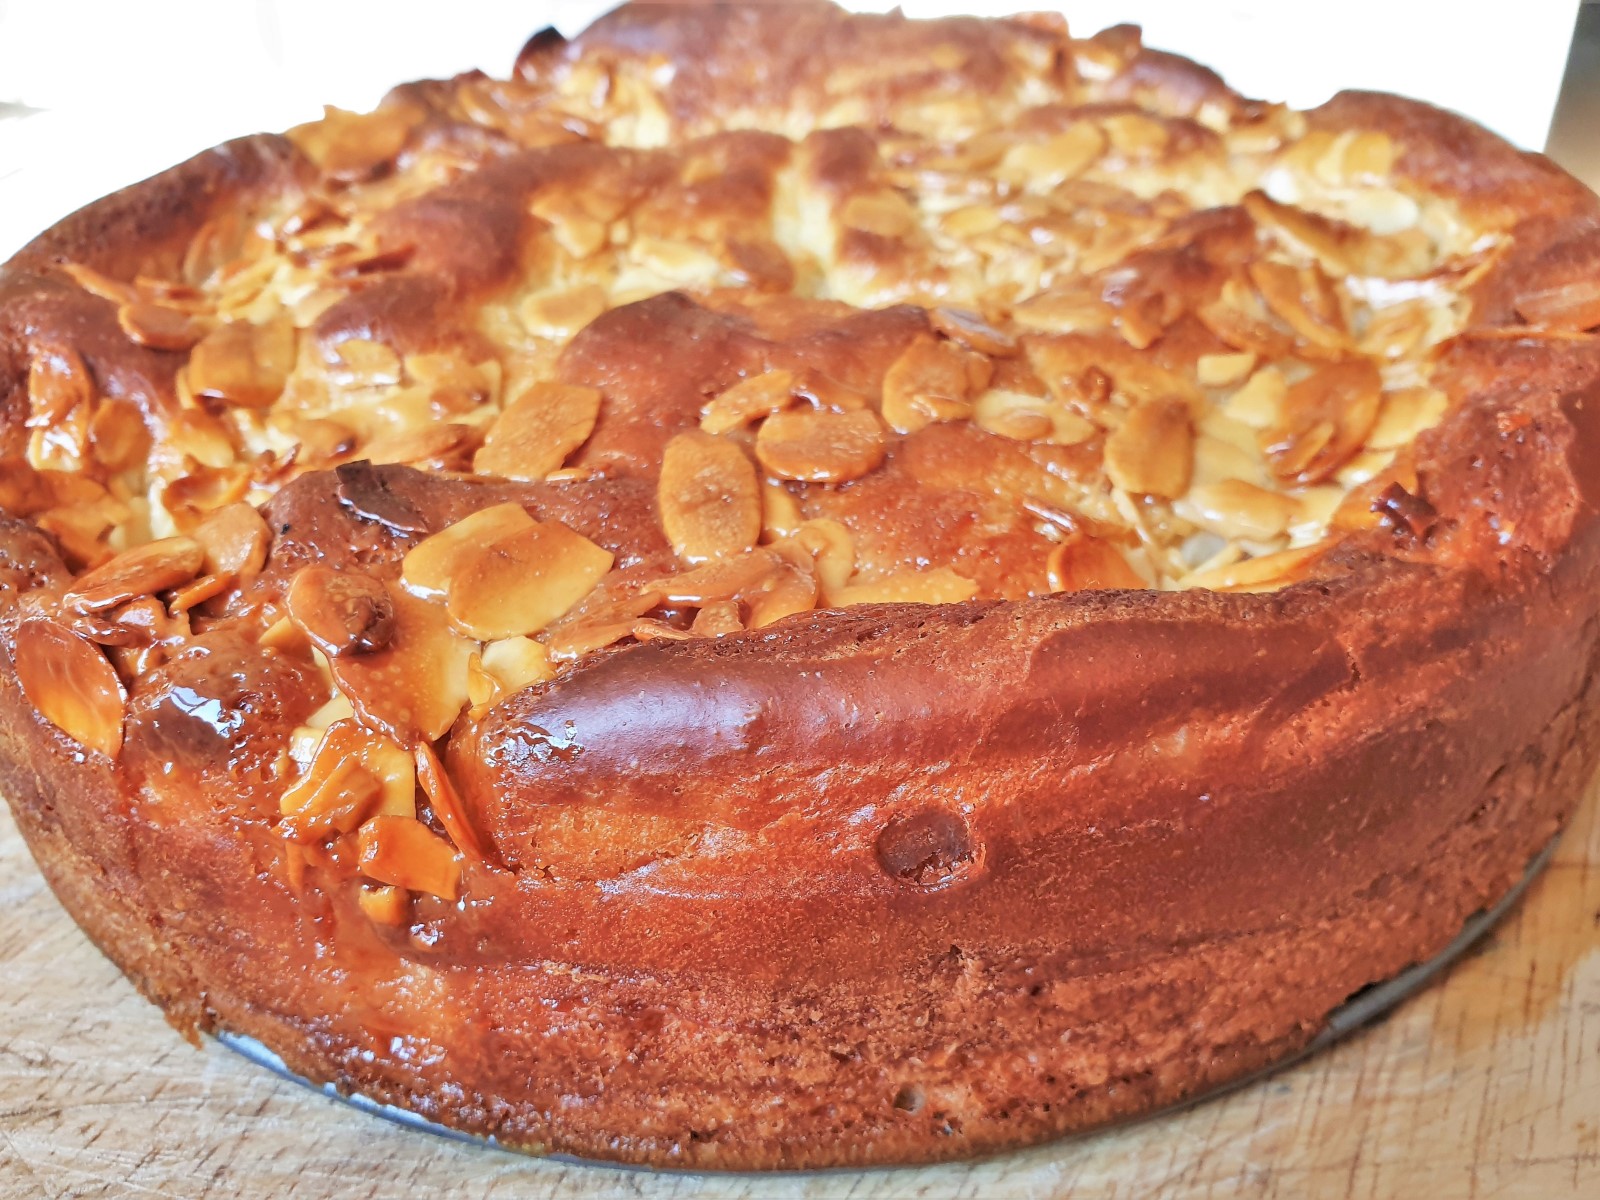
x=786, y=589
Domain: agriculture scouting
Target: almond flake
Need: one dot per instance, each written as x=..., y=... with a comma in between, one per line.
x=404, y=852
x=748, y=401
x=1152, y=451
x=1085, y=563
x=446, y=803
x=941, y=585
x=930, y=382
x=414, y=688
x=708, y=496
x=341, y=611
x=159, y=328
x=244, y=364
x=538, y=430
x=235, y=538
x=972, y=331
x=72, y=684
x=519, y=584
x=58, y=382
x=817, y=446
x=432, y=563
x=143, y=571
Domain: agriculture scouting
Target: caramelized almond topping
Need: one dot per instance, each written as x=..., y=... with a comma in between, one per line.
x=416, y=686
x=972, y=331
x=143, y=571
x=384, y=904
x=1152, y=451
x=236, y=540
x=817, y=446
x=749, y=400
x=519, y=584
x=245, y=364
x=58, y=382
x=446, y=803
x=1327, y=417
x=709, y=497
x=1086, y=563
x=538, y=430
x=159, y=328
x=71, y=683
x=341, y=611
x=941, y=585
x=930, y=382
x=432, y=563
x=404, y=852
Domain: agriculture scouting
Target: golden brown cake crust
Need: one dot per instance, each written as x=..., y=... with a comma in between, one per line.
x=886, y=883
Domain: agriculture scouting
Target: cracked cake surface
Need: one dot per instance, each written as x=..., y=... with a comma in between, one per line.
x=781, y=588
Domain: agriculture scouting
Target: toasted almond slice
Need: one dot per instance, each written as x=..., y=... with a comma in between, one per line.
x=1404, y=414
x=351, y=146
x=159, y=328
x=1224, y=370
x=414, y=688
x=118, y=435
x=1266, y=573
x=518, y=662
x=941, y=585
x=832, y=549
x=207, y=587
x=58, y=382
x=446, y=803
x=1574, y=304
x=1259, y=403
x=709, y=497
x=1234, y=508
x=780, y=514
x=537, y=430
x=720, y=579
x=717, y=619
x=341, y=611
x=1306, y=302
x=384, y=904
x=364, y=363
x=1152, y=451
x=143, y=571
x=322, y=804
x=884, y=213
x=404, y=852
x=816, y=446
x=72, y=684
x=972, y=331
x=520, y=584
x=345, y=740
x=430, y=565
x=1326, y=419
x=749, y=400
x=1086, y=563
x=930, y=382
x=245, y=364
x=1041, y=166
x=103, y=286
x=236, y=540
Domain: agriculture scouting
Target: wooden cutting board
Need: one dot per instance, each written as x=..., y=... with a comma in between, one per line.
x=1487, y=1084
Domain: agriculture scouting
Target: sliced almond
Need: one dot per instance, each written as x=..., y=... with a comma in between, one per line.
x=780, y=514
x=538, y=430
x=432, y=563
x=243, y=363
x=341, y=611
x=404, y=852
x=520, y=584
x=1405, y=413
x=384, y=904
x=817, y=446
x=1574, y=304
x=414, y=688
x=940, y=585
x=1152, y=451
x=1305, y=300
x=930, y=382
x=72, y=684
x=1326, y=418
x=518, y=662
x=1085, y=563
x=1234, y=508
x=884, y=213
x=98, y=284
x=1040, y=166
x=236, y=540
x=1265, y=573
x=159, y=328
x=325, y=803
x=832, y=549
x=446, y=803
x=748, y=401
x=1224, y=370
x=352, y=146
x=143, y=571
x=972, y=331
x=708, y=496
x=718, y=619
x=58, y=382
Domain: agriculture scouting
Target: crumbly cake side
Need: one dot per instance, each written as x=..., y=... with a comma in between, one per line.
x=785, y=589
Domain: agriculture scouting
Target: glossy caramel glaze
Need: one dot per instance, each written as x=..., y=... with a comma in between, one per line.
x=735, y=856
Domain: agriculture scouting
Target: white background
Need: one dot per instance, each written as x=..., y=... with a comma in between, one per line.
x=126, y=88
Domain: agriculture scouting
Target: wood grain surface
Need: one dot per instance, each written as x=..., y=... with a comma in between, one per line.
x=1486, y=1085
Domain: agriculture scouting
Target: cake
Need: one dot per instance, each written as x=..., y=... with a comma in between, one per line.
x=785, y=589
